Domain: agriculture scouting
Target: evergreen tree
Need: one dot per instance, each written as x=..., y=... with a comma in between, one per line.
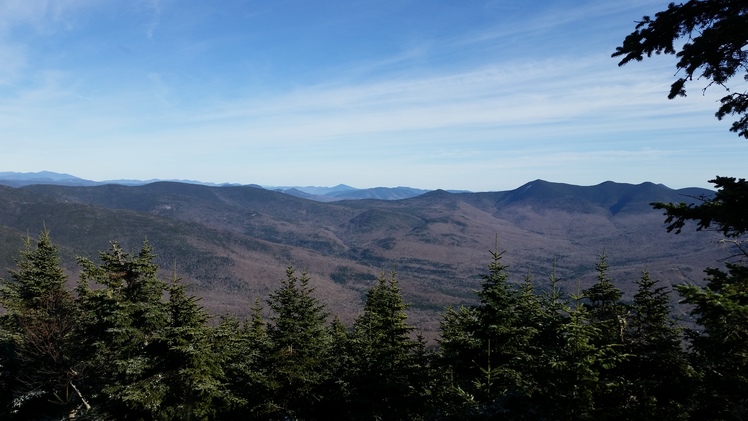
x=458, y=348
x=122, y=321
x=388, y=377
x=720, y=346
x=604, y=305
x=551, y=321
x=609, y=316
x=577, y=364
x=487, y=349
x=190, y=370
x=337, y=388
x=243, y=350
x=715, y=51
x=299, y=357
x=539, y=323
x=39, y=360
x=656, y=371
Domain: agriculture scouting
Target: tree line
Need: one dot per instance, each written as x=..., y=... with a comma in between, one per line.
x=126, y=344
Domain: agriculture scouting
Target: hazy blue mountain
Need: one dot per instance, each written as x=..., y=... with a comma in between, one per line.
x=320, y=194
x=42, y=175
x=304, y=195
x=382, y=193
x=325, y=191
x=345, y=192
x=17, y=179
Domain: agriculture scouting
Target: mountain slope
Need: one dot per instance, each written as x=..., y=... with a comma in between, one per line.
x=233, y=242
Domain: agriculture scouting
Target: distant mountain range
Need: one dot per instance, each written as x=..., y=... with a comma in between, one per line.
x=19, y=179
x=321, y=194
x=232, y=243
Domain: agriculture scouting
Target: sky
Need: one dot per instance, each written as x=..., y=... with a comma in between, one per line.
x=451, y=94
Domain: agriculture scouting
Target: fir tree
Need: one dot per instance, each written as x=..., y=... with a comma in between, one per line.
x=300, y=341
x=487, y=349
x=190, y=370
x=40, y=362
x=388, y=376
x=337, y=388
x=604, y=305
x=458, y=347
x=656, y=371
x=719, y=347
x=552, y=319
x=577, y=364
x=538, y=323
x=243, y=350
x=609, y=316
x=122, y=320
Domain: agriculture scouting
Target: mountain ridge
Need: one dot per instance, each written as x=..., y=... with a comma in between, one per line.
x=232, y=243
x=323, y=194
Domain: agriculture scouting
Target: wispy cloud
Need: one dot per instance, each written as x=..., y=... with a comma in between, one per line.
x=44, y=16
x=509, y=96
x=495, y=104
x=523, y=99
x=154, y=7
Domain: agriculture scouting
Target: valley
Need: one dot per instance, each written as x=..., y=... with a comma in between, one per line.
x=233, y=243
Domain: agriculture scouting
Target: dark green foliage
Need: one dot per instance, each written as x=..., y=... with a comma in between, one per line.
x=229, y=346
x=550, y=319
x=715, y=34
x=387, y=379
x=337, y=388
x=131, y=346
x=524, y=355
x=604, y=305
x=720, y=347
x=147, y=357
x=488, y=349
x=243, y=350
x=190, y=370
x=36, y=338
x=299, y=357
x=578, y=365
x=122, y=321
x=657, y=374
x=609, y=317
x=727, y=210
x=457, y=348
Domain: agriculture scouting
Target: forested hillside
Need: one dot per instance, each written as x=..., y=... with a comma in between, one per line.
x=232, y=242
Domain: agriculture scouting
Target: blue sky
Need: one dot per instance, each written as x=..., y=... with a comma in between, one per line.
x=453, y=94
